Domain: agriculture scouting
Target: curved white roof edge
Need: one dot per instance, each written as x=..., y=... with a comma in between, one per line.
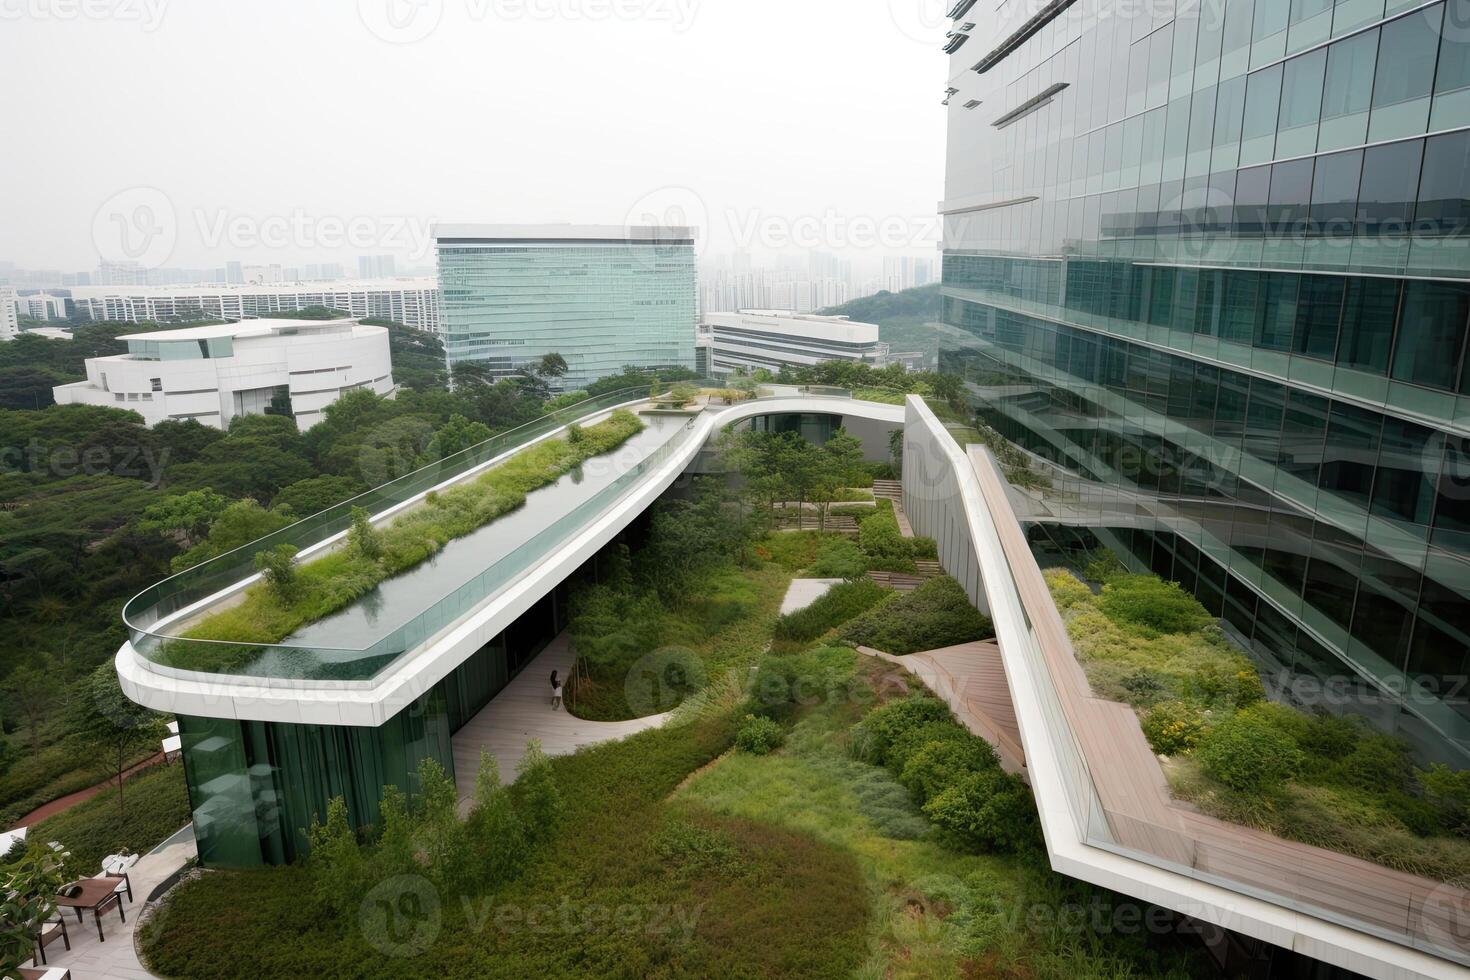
x=1066, y=846
x=372, y=703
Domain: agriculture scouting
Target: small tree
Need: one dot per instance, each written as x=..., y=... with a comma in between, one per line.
x=277, y=567
x=112, y=726
x=336, y=861
x=27, y=890
x=540, y=798
x=443, y=838
x=575, y=435
x=365, y=539
x=495, y=827
x=552, y=365
x=33, y=690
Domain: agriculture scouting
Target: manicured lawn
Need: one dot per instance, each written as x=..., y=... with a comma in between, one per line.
x=155, y=807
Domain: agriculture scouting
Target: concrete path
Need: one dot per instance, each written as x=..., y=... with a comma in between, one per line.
x=804, y=591
x=116, y=958
x=522, y=712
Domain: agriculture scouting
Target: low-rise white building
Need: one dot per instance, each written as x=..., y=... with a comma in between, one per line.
x=252, y=368
x=773, y=339
x=413, y=302
x=9, y=326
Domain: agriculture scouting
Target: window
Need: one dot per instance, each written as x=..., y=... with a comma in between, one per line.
x=1252, y=194
x=1239, y=26
x=1452, y=84
x=1401, y=88
x=1348, y=93
x=1369, y=314
x=1201, y=133
x=1352, y=452
x=1444, y=189
x=1229, y=115
x=1242, y=302
x=1262, y=100
x=1318, y=316
x=1400, y=491
x=1428, y=347
x=1335, y=193
x=1279, y=312
x=155, y=384
x=1291, y=195
x=1301, y=105
x=1269, y=33
x=1389, y=187
x=1311, y=23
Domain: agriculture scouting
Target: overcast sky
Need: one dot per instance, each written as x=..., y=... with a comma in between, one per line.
x=189, y=132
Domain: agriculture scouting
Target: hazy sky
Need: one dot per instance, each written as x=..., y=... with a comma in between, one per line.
x=189, y=132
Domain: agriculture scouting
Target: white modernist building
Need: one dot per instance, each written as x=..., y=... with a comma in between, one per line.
x=413, y=302
x=9, y=326
x=773, y=339
x=213, y=374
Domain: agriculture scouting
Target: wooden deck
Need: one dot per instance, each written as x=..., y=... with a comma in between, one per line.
x=971, y=679
x=1143, y=817
x=522, y=712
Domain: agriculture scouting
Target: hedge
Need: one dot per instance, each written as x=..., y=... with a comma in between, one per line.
x=937, y=614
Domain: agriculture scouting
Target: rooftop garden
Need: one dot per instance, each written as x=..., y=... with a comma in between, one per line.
x=291, y=594
x=1322, y=779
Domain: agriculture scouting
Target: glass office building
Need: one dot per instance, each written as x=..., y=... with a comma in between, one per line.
x=603, y=297
x=1210, y=259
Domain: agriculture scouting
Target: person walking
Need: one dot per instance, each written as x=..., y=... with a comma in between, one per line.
x=555, y=691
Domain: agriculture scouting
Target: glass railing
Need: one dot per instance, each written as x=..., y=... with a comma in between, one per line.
x=1413, y=911
x=167, y=598
x=181, y=656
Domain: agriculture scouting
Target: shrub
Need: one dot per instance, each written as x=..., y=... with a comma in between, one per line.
x=936, y=614
x=697, y=851
x=575, y=435
x=759, y=735
x=885, y=545
x=277, y=568
x=1151, y=603
x=926, y=548
x=989, y=810
x=365, y=539
x=782, y=683
x=904, y=746
x=1066, y=589
x=1449, y=791
x=938, y=765
x=1173, y=727
x=872, y=736
x=835, y=607
x=1250, y=754
x=840, y=558
x=336, y=861
x=1377, y=764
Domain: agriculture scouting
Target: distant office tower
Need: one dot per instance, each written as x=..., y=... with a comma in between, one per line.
x=121, y=274
x=9, y=327
x=773, y=339
x=604, y=297
x=376, y=266
x=411, y=302
x=1222, y=279
x=234, y=273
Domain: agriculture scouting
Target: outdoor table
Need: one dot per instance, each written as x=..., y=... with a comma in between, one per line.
x=94, y=894
x=55, y=973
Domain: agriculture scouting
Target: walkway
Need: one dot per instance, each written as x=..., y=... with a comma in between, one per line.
x=971, y=679
x=522, y=712
x=63, y=803
x=116, y=958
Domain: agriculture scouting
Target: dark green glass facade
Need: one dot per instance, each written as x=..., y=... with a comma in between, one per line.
x=1221, y=281
x=255, y=787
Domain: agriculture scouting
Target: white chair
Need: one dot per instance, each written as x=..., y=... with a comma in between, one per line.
x=118, y=865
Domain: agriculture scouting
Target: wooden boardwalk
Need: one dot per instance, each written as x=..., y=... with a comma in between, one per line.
x=971, y=679
x=522, y=712
x=1144, y=818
